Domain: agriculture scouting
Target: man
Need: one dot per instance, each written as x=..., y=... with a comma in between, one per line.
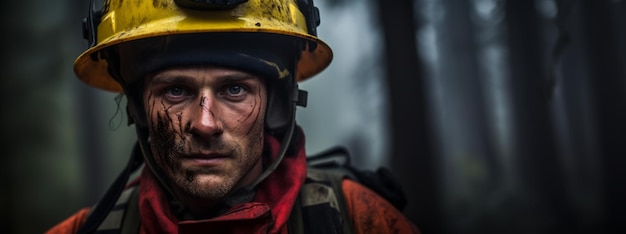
x=212, y=89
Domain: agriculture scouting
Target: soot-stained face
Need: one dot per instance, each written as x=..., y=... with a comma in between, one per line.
x=206, y=129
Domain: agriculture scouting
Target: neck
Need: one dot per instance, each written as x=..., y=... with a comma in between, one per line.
x=202, y=208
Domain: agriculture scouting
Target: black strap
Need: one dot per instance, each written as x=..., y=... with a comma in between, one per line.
x=100, y=212
x=295, y=224
x=131, y=221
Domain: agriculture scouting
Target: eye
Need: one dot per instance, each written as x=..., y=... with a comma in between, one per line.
x=234, y=89
x=175, y=91
x=175, y=94
x=234, y=92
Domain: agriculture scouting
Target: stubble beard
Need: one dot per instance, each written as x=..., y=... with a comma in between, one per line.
x=167, y=147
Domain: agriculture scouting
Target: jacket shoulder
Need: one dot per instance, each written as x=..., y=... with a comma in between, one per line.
x=71, y=224
x=371, y=213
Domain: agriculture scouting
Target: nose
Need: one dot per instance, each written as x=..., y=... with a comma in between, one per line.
x=205, y=123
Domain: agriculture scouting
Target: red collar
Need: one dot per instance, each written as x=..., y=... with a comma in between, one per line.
x=267, y=212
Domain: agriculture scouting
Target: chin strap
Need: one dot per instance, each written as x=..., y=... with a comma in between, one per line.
x=107, y=203
x=281, y=154
x=176, y=205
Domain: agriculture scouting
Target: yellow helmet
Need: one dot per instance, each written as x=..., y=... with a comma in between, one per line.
x=118, y=22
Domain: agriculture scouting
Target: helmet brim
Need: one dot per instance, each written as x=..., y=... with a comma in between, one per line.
x=93, y=68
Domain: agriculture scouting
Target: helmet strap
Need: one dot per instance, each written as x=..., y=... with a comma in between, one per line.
x=106, y=204
x=176, y=205
x=285, y=144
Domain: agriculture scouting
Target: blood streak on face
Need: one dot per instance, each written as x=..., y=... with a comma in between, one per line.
x=206, y=129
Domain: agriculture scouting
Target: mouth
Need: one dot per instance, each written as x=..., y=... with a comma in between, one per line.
x=205, y=159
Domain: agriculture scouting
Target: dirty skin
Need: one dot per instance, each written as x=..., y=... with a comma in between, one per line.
x=168, y=137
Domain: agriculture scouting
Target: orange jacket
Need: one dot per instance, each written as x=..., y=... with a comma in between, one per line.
x=369, y=213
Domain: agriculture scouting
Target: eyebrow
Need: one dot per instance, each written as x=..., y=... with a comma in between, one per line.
x=169, y=79
x=189, y=80
x=238, y=77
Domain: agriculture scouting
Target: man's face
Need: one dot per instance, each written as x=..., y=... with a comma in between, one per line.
x=206, y=128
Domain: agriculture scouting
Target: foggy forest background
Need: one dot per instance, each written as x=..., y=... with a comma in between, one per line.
x=496, y=116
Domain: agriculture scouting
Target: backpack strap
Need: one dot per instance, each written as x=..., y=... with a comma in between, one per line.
x=321, y=206
x=131, y=222
x=108, y=203
x=124, y=217
x=295, y=224
x=381, y=181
